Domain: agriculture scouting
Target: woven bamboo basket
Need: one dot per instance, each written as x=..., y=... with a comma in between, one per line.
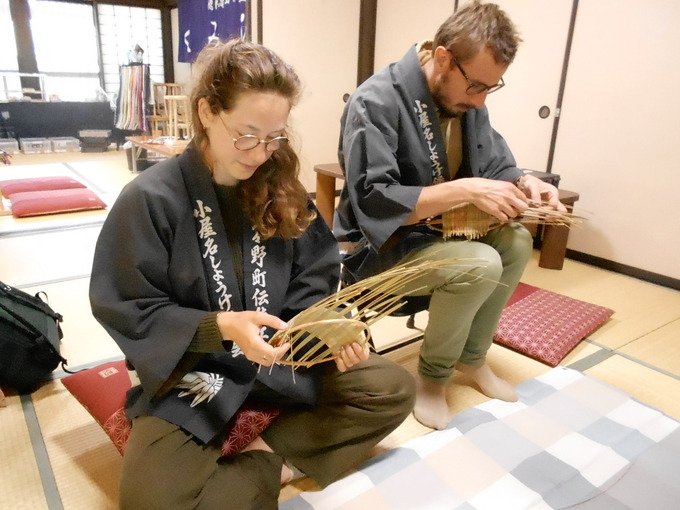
x=468, y=221
x=318, y=333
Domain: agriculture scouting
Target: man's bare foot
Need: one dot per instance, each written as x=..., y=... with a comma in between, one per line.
x=431, y=408
x=489, y=383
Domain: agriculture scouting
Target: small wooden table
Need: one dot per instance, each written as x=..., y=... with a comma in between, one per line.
x=142, y=144
x=553, y=242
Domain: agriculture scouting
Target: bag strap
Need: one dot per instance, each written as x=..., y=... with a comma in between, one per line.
x=31, y=330
x=34, y=302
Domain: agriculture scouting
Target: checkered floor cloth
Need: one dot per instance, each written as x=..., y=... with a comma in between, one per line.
x=570, y=442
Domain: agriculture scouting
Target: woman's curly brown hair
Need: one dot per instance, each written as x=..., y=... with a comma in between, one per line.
x=273, y=199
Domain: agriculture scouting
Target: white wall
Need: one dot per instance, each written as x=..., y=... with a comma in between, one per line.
x=319, y=39
x=403, y=23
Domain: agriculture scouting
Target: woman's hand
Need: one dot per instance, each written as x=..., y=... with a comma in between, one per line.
x=243, y=328
x=350, y=355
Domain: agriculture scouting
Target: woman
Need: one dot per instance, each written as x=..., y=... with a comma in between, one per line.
x=200, y=260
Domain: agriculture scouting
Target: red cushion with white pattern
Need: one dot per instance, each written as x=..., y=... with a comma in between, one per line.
x=545, y=325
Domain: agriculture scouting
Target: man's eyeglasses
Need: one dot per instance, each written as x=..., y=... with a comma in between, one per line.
x=476, y=87
x=249, y=142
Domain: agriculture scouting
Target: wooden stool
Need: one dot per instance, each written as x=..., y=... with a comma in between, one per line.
x=158, y=119
x=553, y=241
x=179, y=121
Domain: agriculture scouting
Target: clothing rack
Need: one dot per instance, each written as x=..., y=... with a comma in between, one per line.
x=133, y=102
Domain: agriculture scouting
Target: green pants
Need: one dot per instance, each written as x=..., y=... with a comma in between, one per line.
x=165, y=468
x=465, y=308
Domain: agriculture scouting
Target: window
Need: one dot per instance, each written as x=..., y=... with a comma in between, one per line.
x=120, y=29
x=68, y=48
x=65, y=42
x=8, y=54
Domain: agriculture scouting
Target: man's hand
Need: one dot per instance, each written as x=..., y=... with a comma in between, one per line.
x=540, y=191
x=499, y=198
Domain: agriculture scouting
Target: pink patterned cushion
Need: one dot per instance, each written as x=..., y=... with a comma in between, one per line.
x=248, y=424
x=118, y=429
x=546, y=326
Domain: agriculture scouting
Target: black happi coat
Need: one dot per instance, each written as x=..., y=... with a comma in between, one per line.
x=162, y=261
x=391, y=146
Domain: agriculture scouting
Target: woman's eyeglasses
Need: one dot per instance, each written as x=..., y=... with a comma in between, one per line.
x=249, y=142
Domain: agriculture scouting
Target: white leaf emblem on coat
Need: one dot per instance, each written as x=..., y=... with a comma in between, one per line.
x=202, y=385
x=236, y=350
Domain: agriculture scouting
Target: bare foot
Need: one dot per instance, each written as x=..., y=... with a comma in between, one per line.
x=259, y=444
x=491, y=385
x=431, y=408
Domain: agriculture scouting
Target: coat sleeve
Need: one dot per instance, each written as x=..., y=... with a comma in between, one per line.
x=370, y=139
x=131, y=291
x=315, y=272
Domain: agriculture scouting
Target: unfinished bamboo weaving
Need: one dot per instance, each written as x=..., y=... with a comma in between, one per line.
x=471, y=222
x=317, y=334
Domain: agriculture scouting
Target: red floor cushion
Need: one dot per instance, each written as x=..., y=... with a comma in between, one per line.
x=545, y=325
x=102, y=390
x=11, y=186
x=36, y=203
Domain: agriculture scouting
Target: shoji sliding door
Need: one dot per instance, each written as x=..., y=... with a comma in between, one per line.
x=619, y=132
x=524, y=110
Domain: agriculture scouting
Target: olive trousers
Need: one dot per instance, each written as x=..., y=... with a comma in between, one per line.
x=468, y=300
x=166, y=468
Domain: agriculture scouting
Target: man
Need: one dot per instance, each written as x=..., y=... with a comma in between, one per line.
x=416, y=141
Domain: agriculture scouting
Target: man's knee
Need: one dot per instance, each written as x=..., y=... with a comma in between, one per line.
x=513, y=240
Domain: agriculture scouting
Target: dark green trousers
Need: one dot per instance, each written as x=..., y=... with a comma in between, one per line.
x=165, y=468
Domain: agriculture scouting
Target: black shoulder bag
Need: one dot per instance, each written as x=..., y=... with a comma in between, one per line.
x=30, y=337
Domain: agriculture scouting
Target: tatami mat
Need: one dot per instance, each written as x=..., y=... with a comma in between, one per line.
x=85, y=463
x=645, y=384
x=48, y=256
x=21, y=484
x=101, y=176
x=660, y=348
x=104, y=178
x=639, y=306
x=85, y=341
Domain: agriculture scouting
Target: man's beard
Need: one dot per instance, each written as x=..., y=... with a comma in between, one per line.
x=444, y=111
